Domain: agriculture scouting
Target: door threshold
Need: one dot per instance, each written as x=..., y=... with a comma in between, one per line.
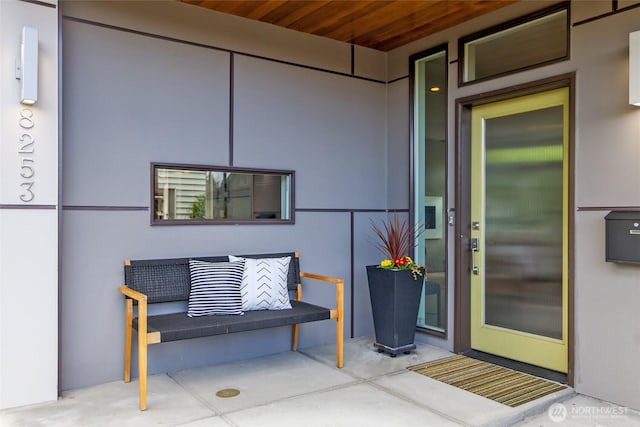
x=537, y=371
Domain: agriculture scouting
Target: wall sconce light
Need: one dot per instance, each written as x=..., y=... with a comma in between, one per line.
x=634, y=68
x=27, y=66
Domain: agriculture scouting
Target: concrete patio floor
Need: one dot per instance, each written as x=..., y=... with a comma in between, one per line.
x=306, y=389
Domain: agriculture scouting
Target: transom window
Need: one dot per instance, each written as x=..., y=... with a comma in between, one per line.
x=534, y=40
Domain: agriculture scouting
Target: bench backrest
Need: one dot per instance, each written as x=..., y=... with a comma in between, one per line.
x=166, y=280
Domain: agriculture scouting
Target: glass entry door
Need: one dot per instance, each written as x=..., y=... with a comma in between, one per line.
x=519, y=229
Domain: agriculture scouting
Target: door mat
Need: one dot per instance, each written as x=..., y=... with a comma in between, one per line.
x=503, y=385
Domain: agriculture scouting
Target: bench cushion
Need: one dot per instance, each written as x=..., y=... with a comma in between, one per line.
x=178, y=326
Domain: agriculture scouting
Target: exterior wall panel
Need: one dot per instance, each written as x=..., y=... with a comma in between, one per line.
x=212, y=28
x=329, y=128
x=399, y=145
x=28, y=211
x=607, y=175
x=131, y=100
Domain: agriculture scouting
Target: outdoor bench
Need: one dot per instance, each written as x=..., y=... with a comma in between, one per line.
x=157, y=281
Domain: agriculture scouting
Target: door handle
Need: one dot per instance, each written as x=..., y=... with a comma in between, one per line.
x=474, y=249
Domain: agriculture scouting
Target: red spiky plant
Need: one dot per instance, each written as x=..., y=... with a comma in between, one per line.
x=395, y=241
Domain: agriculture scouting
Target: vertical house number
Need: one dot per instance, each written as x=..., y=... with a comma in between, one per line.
x=26, y=147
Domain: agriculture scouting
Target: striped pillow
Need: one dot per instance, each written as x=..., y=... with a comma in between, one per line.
x=215, y=288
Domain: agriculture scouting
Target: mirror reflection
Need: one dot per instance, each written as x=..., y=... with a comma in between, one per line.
x=196, y=194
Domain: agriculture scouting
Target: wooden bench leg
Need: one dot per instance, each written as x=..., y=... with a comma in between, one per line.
x=143, y=340
x=142, y=369
x=127, y=339
x=294, y=337
x=340, y=342
x=295, y=333
x=142, y=354
x=340, y=324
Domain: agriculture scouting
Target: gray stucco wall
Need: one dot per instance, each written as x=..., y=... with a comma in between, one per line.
x=607, y=295
x=28, y=211
x=133, y=98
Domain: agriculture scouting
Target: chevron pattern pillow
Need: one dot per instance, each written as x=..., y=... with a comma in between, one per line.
x=215, y=288
x=264, y=283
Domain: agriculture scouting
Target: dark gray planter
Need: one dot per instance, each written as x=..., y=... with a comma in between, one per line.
x=395, y=300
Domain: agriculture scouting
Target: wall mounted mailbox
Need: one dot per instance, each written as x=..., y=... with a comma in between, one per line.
x=623, y=236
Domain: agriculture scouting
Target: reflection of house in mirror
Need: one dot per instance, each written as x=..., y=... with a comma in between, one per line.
x=199, y=194
x=177, y=193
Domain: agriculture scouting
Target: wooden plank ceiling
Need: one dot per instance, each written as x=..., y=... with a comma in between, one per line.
x=379, y=24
